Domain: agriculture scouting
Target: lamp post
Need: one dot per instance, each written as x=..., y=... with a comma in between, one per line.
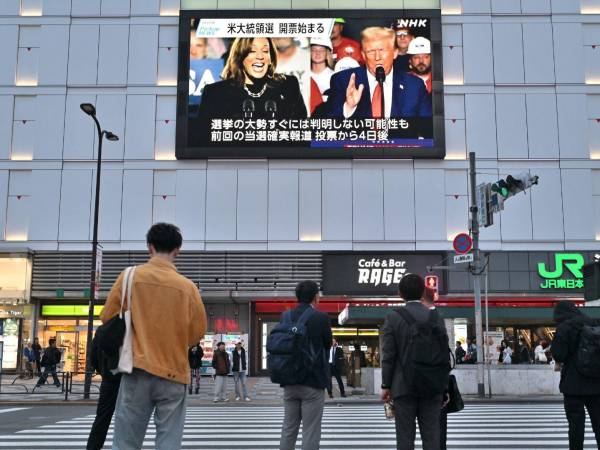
x=90, y=110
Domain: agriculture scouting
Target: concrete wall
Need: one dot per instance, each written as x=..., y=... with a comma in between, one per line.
x=505, y=380
x=522, y=89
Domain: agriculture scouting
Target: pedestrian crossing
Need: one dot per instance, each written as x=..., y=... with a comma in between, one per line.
x=479, y=426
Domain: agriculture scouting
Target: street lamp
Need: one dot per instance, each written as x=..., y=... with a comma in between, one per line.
x=90, y=110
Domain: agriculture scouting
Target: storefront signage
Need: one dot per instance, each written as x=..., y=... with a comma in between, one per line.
x=567, y=273
x=372, y=273
x=69, y=310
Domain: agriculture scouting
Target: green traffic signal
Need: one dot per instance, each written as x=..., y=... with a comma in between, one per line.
x=501, y=187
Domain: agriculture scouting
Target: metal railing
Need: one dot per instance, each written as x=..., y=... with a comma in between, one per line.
x=69, y=385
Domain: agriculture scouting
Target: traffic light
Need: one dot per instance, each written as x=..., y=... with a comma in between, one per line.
x=513, y=185
x=431, y=281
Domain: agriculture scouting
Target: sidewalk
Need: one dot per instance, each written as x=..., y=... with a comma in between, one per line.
x=260, y=390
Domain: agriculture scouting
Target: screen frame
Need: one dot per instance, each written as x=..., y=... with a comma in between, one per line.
x=184, y=152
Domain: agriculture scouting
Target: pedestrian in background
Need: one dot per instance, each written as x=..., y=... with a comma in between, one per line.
x=303, y=401
x=524, y=354
x=459, y=353
x=50, y=360
x=195, y=355
x=471, y=356
x=28, y=360
x=507, y=353
x=37, y=353
x=164, y=300
x=336, y=367
x=222, y=366
x=239, y=372
x=580, y=392
x=540, y=356
x=104, y=364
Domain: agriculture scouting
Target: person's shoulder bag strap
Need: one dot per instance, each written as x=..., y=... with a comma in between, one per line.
x=406, y=315
x=126, y=286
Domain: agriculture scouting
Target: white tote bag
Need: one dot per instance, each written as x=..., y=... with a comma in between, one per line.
x=126, y=350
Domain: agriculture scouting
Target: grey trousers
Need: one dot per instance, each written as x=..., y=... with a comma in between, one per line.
x=221, y=387
x=302, y=404
x=240, y=379
x=427, y=412
x=141, y=394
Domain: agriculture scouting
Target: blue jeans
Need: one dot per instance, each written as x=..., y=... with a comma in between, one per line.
x=240, y=378
x=141, y=394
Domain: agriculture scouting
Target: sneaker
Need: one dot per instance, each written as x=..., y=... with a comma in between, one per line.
x=237, y=399
x=248, y=399
x=197, y=390
x=190, y=391
x=226, y=400
x=344, y=395
x=216, y=400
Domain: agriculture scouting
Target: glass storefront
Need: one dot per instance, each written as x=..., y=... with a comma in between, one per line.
x=71, y=339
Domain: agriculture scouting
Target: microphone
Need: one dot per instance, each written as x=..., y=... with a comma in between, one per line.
x=380, y=74
x=248, y=108
x=271, y=108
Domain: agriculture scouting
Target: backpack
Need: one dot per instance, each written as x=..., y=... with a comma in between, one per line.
x=426, y=362
x=587, y=361
x=290, y=354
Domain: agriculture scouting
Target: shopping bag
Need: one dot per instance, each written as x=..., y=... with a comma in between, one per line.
x=126, y=350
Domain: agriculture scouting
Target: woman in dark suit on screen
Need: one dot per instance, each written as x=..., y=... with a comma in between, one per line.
x=250, y=88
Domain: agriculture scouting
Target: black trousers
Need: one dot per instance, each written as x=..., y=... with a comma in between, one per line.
x=338, y=377
x=427, y=411
x=109, y=390
x=575, y=407
x=44, y=376
x=443, y=428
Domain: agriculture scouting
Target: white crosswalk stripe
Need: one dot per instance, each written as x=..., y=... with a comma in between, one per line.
x=481, y=427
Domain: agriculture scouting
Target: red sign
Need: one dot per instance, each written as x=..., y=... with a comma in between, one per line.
x=431, y=281
x=462, y=243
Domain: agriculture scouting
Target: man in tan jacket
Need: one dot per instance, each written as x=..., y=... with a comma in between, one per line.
x=167, y=318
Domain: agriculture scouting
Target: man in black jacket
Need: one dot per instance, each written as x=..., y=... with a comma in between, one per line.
x=579, y=392
x=238, y=369
x=336, y=366
x=195, y=355
x=50, y=360
x=104, y=363
x=409, y=407
x=304, y=402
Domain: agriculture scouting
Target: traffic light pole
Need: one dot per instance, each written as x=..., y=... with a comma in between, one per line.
x=476, y=269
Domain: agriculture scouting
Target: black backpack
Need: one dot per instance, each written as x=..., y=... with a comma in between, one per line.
x=290, y=354
x=426, y=362
x=587, y=361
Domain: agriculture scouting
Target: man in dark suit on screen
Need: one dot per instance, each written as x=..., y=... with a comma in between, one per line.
x=336, y=366
x=357, y=93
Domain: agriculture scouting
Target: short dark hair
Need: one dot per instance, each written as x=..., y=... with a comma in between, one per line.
x=411, y=287
x=164, y=237
x=306, y=291
x=220, y=343
x=51, y=341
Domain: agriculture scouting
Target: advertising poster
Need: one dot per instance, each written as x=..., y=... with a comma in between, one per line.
x=310, y=86
x=492, y=340
x=208, y=345
x=10, y=339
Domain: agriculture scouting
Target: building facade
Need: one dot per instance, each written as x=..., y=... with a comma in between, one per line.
x=521, y=89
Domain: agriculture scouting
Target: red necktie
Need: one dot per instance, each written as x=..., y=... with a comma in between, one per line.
x=376, y=102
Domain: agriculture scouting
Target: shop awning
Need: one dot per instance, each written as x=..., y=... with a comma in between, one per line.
x=375, y=315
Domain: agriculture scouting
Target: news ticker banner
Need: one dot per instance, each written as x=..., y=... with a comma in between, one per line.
x=232, y=28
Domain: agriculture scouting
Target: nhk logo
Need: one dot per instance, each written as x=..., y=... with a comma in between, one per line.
x=573, y=262
x=377, y=271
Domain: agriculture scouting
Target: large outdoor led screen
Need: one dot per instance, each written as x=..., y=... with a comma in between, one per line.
x=320, y=84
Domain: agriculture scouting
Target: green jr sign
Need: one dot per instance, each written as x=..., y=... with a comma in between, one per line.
x=556, y=279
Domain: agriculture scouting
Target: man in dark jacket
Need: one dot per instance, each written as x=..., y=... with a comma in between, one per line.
x=50, y=360
x=222, y=366
x=579, y=392
x=304, y=402
x=195, y=355
x=107, y=400
x=336, y=366
x=239, y=372
x=395, y=344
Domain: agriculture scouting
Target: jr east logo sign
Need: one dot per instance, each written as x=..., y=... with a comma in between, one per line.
x=373, y=273
x=567, y=273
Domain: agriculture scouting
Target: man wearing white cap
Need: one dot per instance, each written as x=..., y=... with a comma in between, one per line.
x=419, y=50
